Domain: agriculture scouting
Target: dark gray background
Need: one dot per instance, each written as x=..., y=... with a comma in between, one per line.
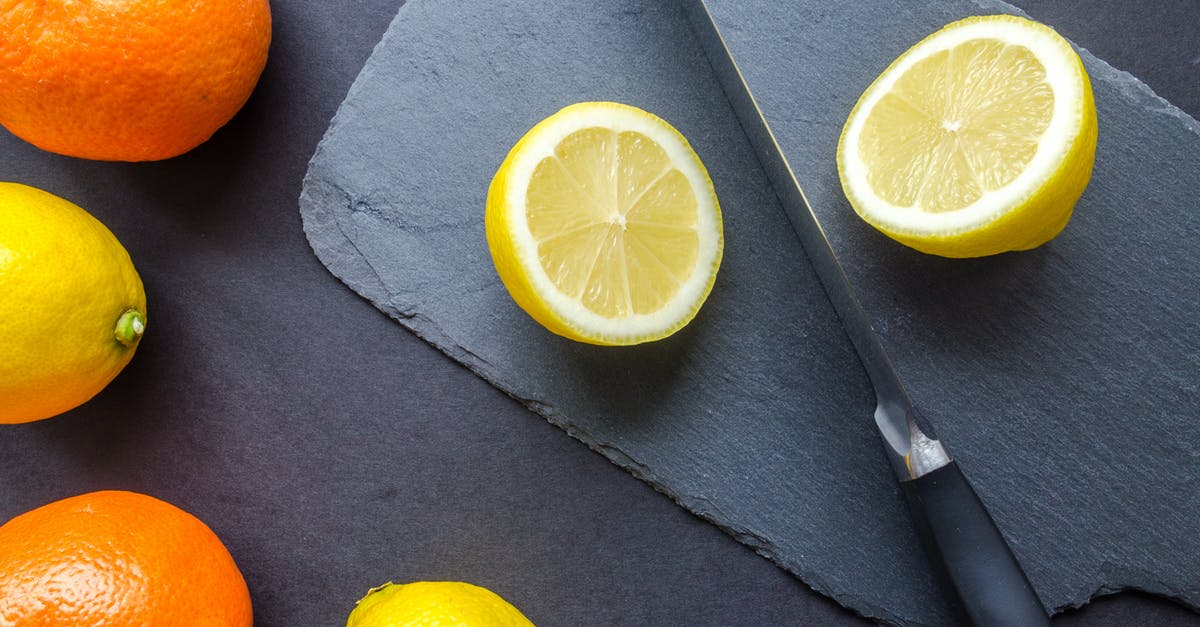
x=332, y=450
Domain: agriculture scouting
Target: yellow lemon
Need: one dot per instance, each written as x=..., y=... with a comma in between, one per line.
x=434, y=604
x=604, y=226
x=977, y=140
x=72, y=308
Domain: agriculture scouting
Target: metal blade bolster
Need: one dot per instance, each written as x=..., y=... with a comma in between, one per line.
x=911, y=452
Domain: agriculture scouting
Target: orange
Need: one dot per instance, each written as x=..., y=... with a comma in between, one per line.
x=127, y=80
x=117, y=558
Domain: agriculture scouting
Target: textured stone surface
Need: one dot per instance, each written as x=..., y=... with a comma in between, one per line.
x=1064, y=379
x=757, y=415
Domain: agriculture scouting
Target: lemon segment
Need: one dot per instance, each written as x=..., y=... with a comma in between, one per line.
x=604, y=226
x=977, y=140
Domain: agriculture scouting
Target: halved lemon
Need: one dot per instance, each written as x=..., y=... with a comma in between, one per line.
x=977, y=140
x=604, y=226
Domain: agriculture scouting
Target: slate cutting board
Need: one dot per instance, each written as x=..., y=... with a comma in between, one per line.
x=757, y=415
x=1064, y=379
x=329, y=448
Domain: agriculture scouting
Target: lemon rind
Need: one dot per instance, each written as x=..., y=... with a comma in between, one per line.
x=572, y=318
x=1065, y=76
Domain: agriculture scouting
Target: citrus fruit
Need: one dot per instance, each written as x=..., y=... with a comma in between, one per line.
x=117, y=558
x=73, y=308
x=434, y=604
x=127, y=80
x=977, y=140
x=604, y=226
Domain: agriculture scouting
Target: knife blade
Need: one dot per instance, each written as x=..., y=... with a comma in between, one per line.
x=989, y=586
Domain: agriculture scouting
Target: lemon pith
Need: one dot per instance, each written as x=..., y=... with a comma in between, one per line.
x=604, y=226
x=977, y=140
x=65, y=320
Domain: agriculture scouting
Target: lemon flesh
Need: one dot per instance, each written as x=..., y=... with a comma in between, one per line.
x=72, y=308
x=977, y=140
x=604, y=226
x=434, y=604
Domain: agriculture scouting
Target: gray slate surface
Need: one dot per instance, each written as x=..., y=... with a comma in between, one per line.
x=330, y=448
x=757, y=415
x=1064, y=379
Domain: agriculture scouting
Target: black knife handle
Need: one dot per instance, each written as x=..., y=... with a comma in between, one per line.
x=990, y=585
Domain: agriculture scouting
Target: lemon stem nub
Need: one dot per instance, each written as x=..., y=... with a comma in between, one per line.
x=130, y=327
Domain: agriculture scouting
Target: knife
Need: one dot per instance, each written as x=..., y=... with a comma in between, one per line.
x=960, y=536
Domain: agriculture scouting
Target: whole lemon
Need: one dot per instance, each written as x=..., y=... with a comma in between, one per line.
x=434, y=604
x=72, y=307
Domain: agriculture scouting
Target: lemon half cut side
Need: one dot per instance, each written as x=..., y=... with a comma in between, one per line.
x=977, y=140
x=604, y=226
